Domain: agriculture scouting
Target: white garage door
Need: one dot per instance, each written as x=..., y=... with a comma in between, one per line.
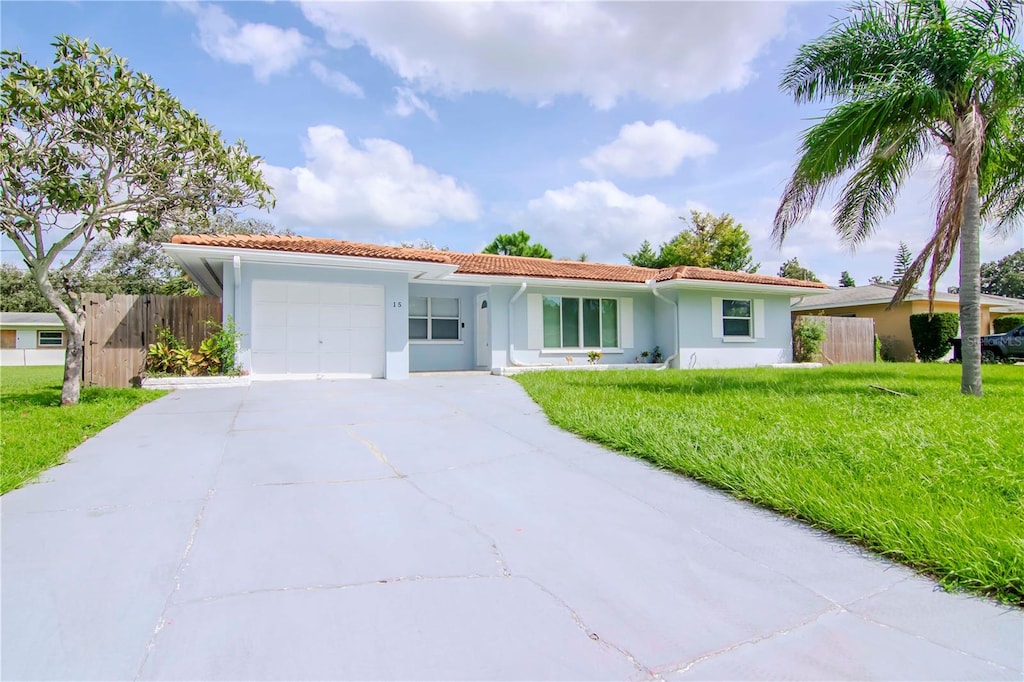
x=312, y=329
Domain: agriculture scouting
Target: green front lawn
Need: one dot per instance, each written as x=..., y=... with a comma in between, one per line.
x=36, y=432
x=932, y=479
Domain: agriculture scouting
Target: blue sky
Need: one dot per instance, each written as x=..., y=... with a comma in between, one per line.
x=591, y=126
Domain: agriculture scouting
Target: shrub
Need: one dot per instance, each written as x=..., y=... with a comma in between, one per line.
x=1006, y=323
x=808, y=336
x=886, y=346
x=224, y=343
x=931, y=334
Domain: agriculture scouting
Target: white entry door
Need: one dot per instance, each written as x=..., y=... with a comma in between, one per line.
x=483, y=332
x=301, y=328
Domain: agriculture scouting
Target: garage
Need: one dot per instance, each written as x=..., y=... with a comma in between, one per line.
x=301, y=328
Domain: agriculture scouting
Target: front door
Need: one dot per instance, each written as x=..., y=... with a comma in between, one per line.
x=483, y=332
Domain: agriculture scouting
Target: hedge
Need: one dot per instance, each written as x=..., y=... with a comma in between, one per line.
x=931, y=334
x=1007, y=322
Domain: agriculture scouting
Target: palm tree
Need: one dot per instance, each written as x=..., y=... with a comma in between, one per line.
x=905, y=79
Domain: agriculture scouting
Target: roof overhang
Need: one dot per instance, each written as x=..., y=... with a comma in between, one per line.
x=707, y=284
x=205, y=264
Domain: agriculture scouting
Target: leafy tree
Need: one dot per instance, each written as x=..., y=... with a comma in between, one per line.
x=645, y=256
x=583, y=257
x=878, y=280
x=906, y=78
x=19, y=293
x=1004, y=277
x=846, y=280
x=140, y=266
x=425, y=245
x=709, y=242
x=516, y=244
x=792, y=269
x=901, y=263
x=88, y=148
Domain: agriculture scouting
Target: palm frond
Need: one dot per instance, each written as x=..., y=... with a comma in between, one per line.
x=876, y=42
x=870, y=193
x=848, y=133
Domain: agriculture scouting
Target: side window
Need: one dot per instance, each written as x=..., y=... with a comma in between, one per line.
x=737, y=317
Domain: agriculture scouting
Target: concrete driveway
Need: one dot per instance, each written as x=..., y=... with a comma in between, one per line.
x=438, y=528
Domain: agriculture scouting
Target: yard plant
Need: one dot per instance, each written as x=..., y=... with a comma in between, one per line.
x=931, y=334
x=929, y=478
x=1001, y=325
x=37, y=432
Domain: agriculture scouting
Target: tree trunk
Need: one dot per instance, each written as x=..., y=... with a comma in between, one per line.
x=970, y=290
x=73, y=317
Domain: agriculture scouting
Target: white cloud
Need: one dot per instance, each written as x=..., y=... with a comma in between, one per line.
x=408, y=103
x=335, y=79
x=648, y=151
x=669, y=52
x=599, y=219
x=358, y=192
x=267, y=49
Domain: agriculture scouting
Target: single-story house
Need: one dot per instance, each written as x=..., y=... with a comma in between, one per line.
x=324, y=307
x=31, y=339
x=893, y=326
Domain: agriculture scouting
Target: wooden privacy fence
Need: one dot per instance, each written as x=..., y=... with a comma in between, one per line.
x=847, y=339
x=119, y=329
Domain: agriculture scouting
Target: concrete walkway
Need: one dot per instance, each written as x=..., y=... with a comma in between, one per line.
x=438, y=528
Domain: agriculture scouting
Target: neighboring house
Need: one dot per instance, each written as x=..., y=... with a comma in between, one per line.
x=893, y=326
x=309, y=307
x=31, y=339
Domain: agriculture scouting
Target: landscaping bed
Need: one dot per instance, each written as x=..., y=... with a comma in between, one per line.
x=36, y=432
x=929, y=478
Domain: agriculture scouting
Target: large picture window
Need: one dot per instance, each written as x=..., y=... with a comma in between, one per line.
x=434, y=319
x=736, y=317
x=581, y=322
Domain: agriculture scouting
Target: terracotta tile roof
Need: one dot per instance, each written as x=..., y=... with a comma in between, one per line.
x=488, y=264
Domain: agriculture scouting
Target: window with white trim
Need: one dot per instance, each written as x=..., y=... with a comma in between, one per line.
x=737, y=317
x=571, y=322
x=50, y=338
x=434, y=319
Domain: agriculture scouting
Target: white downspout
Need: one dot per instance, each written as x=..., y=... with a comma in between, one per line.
x=237, y=263
x=511, y=343
x=651, y=284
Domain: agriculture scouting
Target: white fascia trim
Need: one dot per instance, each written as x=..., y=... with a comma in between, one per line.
x=483, y=280
x=739, y=286
x=45, y=326
x=800, y=307
x=417, y=269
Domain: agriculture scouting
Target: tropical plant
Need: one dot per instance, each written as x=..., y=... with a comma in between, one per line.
x=223, y=344
x=593, y=356
x=89, y=147
x=846, y=280
x=516, y=244
x=907, y=78
x=708, y=242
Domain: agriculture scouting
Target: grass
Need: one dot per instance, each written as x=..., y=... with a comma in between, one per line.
x=36, y=432
x=933, y=479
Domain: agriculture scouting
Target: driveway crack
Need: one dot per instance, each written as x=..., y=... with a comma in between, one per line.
x=588, y=631
x=183, y=562
x=835, y=608
x=491, y=541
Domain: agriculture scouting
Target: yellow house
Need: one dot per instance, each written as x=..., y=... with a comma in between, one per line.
x=893, y=326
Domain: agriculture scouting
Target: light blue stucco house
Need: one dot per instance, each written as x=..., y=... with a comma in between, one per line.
x=310, y=307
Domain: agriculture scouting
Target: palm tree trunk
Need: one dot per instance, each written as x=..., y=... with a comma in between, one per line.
x=970, y=290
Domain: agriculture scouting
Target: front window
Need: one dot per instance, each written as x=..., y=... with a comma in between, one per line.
x=434, y=319
x=51, y=338
x=581, y=322
x=736, y=317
